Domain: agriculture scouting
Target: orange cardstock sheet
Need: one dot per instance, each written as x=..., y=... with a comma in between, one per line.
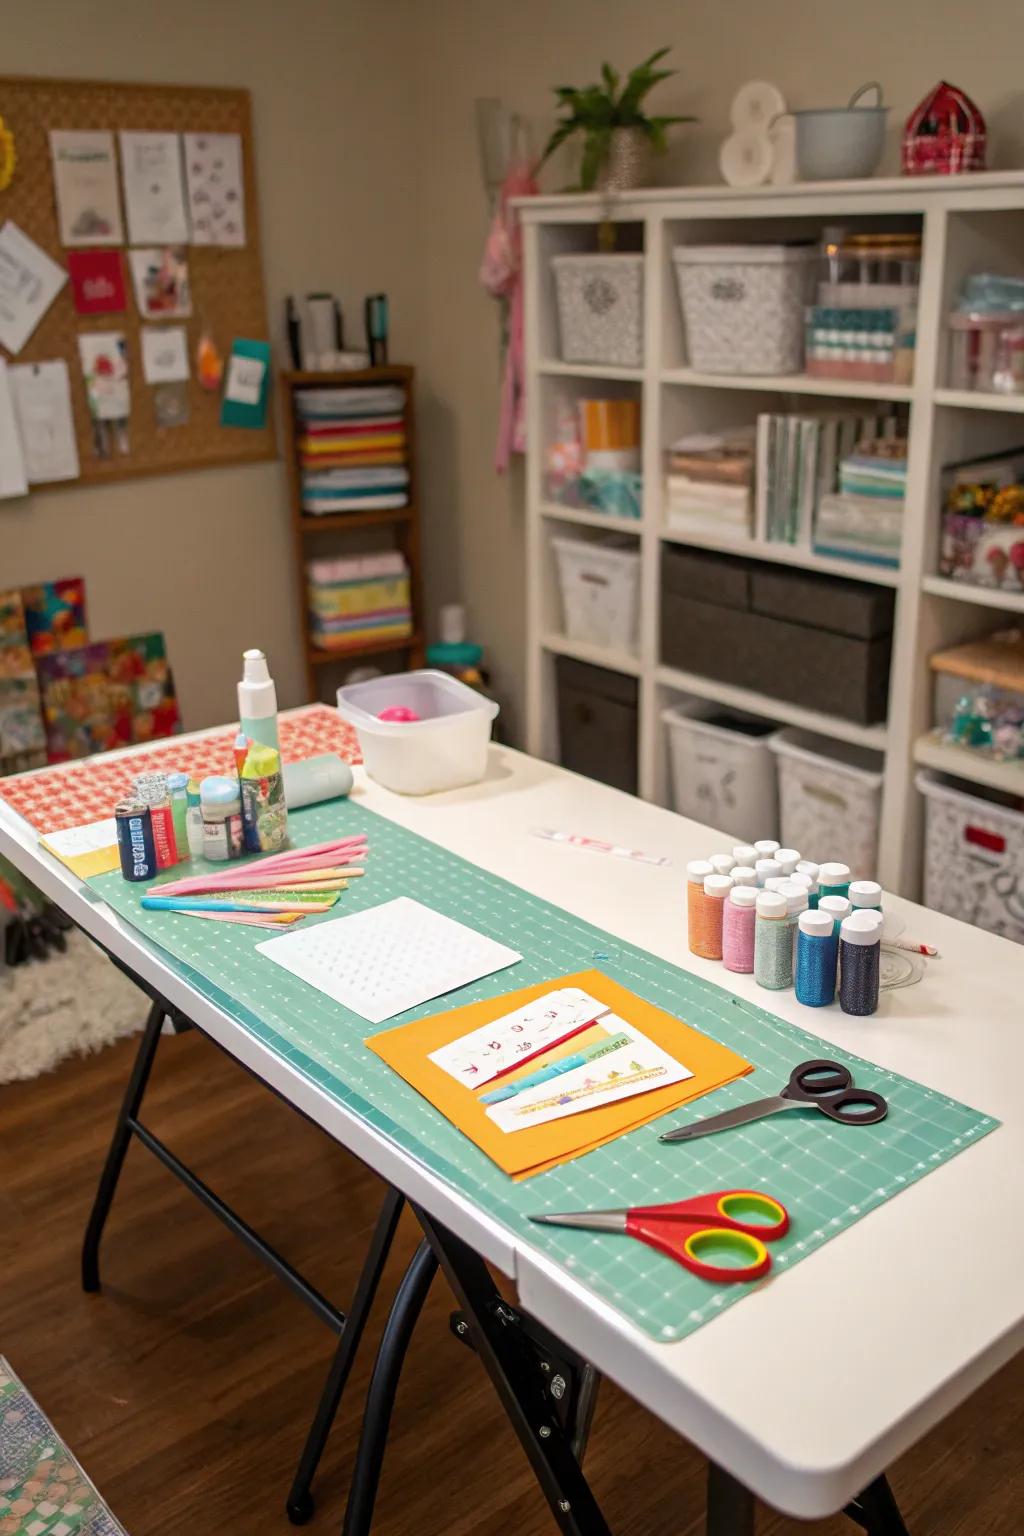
x=523, y=1153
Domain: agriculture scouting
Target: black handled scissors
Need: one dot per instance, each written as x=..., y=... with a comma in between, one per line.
x=824, y=1085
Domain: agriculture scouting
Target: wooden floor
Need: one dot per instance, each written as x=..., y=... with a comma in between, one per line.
x=187, y=1385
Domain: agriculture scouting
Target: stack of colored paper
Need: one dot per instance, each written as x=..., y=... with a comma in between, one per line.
x=269, y=892
x=352, y=448
x=363, y=597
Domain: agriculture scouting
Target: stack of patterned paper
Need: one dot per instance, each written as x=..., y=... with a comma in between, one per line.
x=864, y=519
x=709, y=484
x=362, y=598
x=352, y=448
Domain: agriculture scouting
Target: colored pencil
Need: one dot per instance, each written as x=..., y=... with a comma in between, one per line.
x=249, y=919
x=193, y=885
x=198, y=904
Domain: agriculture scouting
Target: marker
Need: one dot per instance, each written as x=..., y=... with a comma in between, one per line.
x=556, y=1068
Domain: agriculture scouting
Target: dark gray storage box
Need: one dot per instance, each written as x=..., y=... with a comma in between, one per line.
x=799, y=637
x=597, y=722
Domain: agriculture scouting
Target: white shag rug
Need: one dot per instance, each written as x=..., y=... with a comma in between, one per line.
x=68, y=1005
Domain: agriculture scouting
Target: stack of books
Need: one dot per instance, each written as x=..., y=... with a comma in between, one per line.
x=359, y=599
x=352, y=448
x=863, y=520
x=798, y=467
x=709, y=484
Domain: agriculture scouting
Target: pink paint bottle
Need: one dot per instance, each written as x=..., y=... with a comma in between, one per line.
x=738, y=922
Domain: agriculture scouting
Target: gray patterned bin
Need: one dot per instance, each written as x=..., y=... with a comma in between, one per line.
x=601, y=308
x=743, y=306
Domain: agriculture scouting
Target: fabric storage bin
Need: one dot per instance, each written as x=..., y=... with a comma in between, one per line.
x=601, y=308
x=597, y=722
x=829, y=799
x=743, y=306
x=723, y=771
x=973, y=856
x=600, y=587
x=820, y=641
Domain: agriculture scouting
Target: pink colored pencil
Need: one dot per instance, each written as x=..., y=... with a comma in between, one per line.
x=255, y=876
x=248, y=919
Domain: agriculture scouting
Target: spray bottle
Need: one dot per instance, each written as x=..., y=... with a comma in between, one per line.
x=257, y=701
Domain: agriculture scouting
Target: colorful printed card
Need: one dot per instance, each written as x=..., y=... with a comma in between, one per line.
x=518, y=1037
x=110, y=694
x=55, y=615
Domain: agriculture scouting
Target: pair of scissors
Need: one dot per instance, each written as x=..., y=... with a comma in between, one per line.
x=824, y=1085
x=718, y=1237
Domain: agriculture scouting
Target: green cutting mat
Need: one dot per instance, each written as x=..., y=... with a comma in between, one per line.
x=827, y=1175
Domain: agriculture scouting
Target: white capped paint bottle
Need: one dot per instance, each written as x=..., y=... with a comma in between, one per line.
x=257, y=700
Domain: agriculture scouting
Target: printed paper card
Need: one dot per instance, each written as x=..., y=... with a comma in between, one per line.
x=635, y=1068
x=216, y=193
x=518, y=1037
x=161, y=281
x=29, y=283
x=164, y=354
x=85, y=181
x=55, y=615
x=97, y=282
x=104, y=356
x=42, y=405
x=154, y=193
x=13, y=474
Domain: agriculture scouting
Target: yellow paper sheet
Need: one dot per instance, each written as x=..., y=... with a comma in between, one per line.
x=531, y=1150
x=87, y=850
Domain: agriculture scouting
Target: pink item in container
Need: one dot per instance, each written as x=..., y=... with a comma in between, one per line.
x=399, y=714
x=738, y=922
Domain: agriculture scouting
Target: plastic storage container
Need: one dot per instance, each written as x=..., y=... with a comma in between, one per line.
x=723, y=771
x=744, y=305
x=829, y=798
x=600, y=587
x=973, y=857
x=444, y=749
x=986, y=351
x=601, y=308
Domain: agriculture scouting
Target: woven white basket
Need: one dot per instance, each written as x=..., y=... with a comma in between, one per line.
x=743, y=306
x=601, y=308
x=600, y=587
x=829, y=799
x=973, y=858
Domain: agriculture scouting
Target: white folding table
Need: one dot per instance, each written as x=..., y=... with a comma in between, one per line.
x=896, y=1321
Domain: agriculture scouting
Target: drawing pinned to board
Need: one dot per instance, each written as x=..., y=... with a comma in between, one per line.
x=97, y=282
x=13, y=475
x=160, y=277
x=170, y=405
x=29, y=283
x=104, y=356
x=42, y=405
x=164, y=354
x=154, y=193
x=245, y=393
x=209, y=362
x=216, y=193
x=85, y=181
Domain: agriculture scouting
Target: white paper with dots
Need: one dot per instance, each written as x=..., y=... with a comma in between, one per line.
x=389, y=958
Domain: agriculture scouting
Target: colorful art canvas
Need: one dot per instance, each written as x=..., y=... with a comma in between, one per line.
x=22, y=738
x=110, y=694
x=55, y=615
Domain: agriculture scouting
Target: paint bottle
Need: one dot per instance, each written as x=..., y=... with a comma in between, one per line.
x=177, y=789
x=722, y=863
x=738, y=922
x=151, y=789
x=789, y=858
x=773, y=943
x=744, y=874
x=767, y=869
x=745, y=854
x=706, y=940
x=807, y=874
x=865, y=895
x=860, y=949
x=834, y=879
x=807, y=867
x=135, y=839
x=257, y=700
x=194, y=821
x=222, y=818
x=264, y=813
x=697, y=872
x=817, y=954
x=837, y=907
x=766, y=848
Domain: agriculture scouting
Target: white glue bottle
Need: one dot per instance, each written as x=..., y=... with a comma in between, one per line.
x=257, y=700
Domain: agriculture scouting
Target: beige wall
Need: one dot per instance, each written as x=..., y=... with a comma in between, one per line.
x=817, y=51
x=368, y=179
x=206, y=557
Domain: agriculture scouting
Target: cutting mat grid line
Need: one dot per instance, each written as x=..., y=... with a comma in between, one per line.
x=827, y=1175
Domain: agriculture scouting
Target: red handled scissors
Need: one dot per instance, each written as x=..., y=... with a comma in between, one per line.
x=718, y=1237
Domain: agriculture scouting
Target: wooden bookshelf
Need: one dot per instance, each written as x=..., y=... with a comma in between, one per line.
x=404, y=521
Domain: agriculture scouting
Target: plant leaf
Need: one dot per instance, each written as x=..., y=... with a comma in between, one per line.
x=561, y=133
x=595, y=154
x=610, y=78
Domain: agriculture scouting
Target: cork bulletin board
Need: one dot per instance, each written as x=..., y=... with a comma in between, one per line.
x=226, y=282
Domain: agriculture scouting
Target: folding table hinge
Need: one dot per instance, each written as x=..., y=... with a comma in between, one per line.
x=562, y=1373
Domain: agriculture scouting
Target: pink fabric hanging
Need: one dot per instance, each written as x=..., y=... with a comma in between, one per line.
x=502, y=275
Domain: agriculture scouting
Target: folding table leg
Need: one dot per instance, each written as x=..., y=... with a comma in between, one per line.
x=300, y=1500
x=730, y=1509
x=877, y=1511
x=380, y=1399
x=499, y=1346
x=119, y=1146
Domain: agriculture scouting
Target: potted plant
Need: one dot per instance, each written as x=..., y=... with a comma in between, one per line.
x=618, y=136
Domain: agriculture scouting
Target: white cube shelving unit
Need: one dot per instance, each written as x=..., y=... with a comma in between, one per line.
x=967, y=224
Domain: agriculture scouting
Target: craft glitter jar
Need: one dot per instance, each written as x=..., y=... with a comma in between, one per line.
x=697, y=872
x=789, y=858
x=722, y=863
x=766, y=848
x=834, y=880
x=837, y=907
x=768, y=869
x=808, y=871
x=865, y=895
x=773, y=942
x=706, y=938
x=745, y=854
x=817, y=955
x=860, y=949
x=738, y=922
x=744, y=874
